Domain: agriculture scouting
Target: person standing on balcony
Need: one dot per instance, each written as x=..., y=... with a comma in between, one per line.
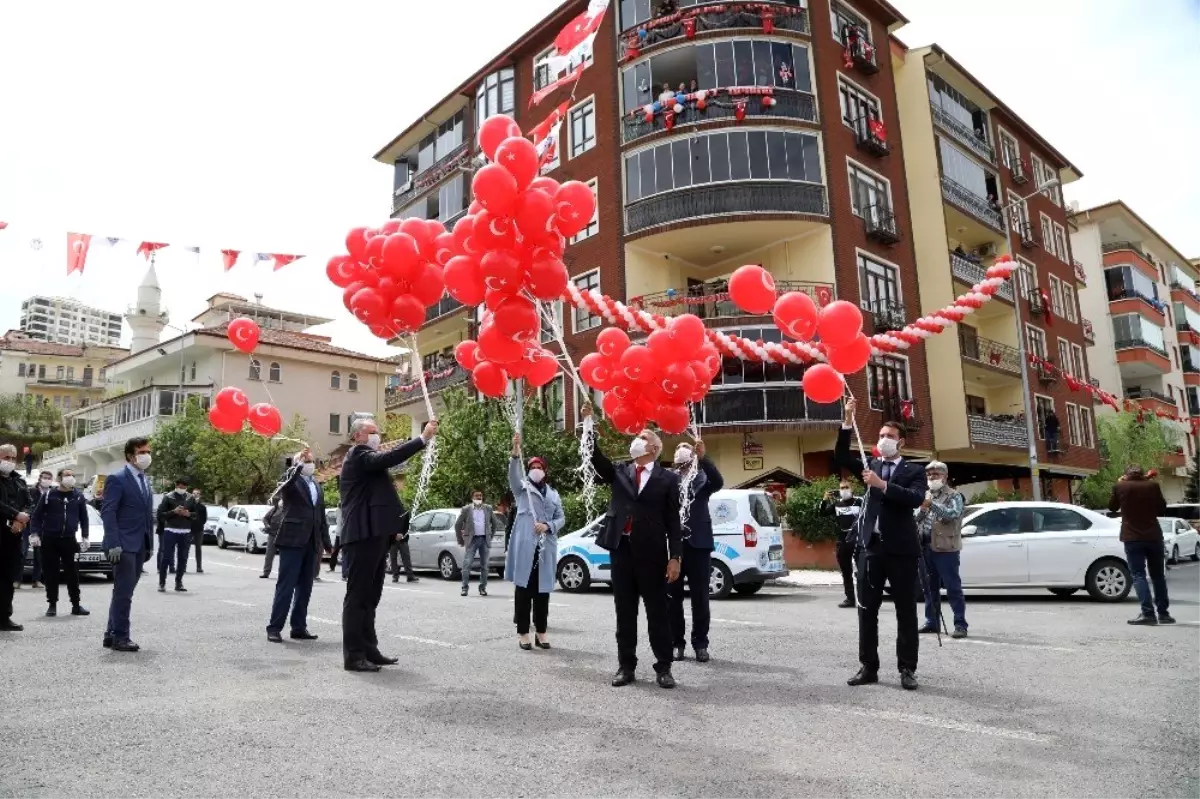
x=474, y=528
x=175, y=517
x=1052, y=428
x=55, y=520
x=128, y=515
x=844, y=507
x=940, y=522
x=1140, y=502
x=696, y=566
x=14, y=502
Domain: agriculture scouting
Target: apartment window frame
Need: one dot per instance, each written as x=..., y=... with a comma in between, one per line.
x=335, y=424
x=1066, y=359
x=1048, y=242
x=21, y=369
x=1087, y=427
x=555, y=389
x=858, y=174
x=255, y=370
x=1061, y=248
x=541, y=69
x=547, y=333
x=1074, y=435
x=335, y=380
x=1068, y=299
x=1041, y=403
x=886, y=274
x=581, y=112
x=888, y=363
x=863, y=23
x=596, y=399
x=1007, y=157
x=1080, y=361
x=1035, y=340
x=1018, y=210
x=593, y=226
x=1056, y=299
x=863, y=100
x=581, y=319
x=274, y=372
x=504, y=78
x=352, y=382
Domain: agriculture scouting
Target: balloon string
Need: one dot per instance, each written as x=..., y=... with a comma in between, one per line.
x=546, y=311
x=689, y=475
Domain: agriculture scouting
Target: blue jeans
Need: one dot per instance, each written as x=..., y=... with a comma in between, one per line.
x=37, y=560
x=175, y=548
x=1143, y=555
x=126, y=574
x=296, y=572
x=941, y=571
x=480, y=544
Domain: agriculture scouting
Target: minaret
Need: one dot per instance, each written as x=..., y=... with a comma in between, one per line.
x=147, y=319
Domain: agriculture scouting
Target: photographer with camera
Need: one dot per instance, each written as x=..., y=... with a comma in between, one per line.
x=844, y=507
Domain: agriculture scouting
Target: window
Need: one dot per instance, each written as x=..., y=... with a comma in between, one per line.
x=1060, y=244
x=1036, y=340
x=1068, y=301
x=335, y=424
x=255, y=370
x=583, y=127
x=857, y=105
x=1131, y=330
x=1064, y=357
x=193, y=371
x=1044, y=407
x=1048, y=235
x=878, y=284
x=1058, y=520
x=335, y=380
x=966, y=172
x=422, y=523
x=1010, y=151
x=274, y=372
x=581, y=319
x=66, y=403
x=594, y=225
x=547, y=331
x=1004, y=521
x=735, y=371
x=1042, y=174
x=495, y=95
x=59, y=372
x=888, y=384
x=976, y=406
x=1125, y=282
x=21, y=369
x=1073, y=435
x=844, y=17
x=1018, y=215
x=1056, y=304
x=1080, y=371
x=70, y=372
x=869, y=193
x=1038, y=168
x=596, y=399
x=554, y=402
x=352, y=382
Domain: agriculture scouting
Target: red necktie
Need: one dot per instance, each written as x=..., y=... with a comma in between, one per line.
x=637, y=488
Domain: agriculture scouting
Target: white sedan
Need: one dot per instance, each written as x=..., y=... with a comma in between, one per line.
x=1180, y=539
x=243, y=526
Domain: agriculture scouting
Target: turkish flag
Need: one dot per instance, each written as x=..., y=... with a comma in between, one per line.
x=230, y=258
x=282, y=260
x=147, y=248
x=1046, y=308
x=581, y=27
x=77, y=250
x=546, y=91
x=542, y=129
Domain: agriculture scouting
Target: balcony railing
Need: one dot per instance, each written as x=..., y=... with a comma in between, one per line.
x=992, y=354
x=726, y=199
x=1037, y=303
x=1025, y=231
x=887, y=315
x=1124, y=293
x=879, y=223
x=1019, y=171
x=997, y=431
x=705, y=19
x=870, y=136
x=1046, y=374
x=711, y=300
x=65, y=382
x=1080, y=273
x=860, y=50
x=964, y=135
x=967, y=200
x=1116, y=246
x=427, y=178
x=739, y=406
x=1184, y=326
x=788, y=105
x=896, y=408
x=1138, y=392
x=1089, y=333
x=971, y=272
x=436, y=382
x=446, y=305
x=1132, y=343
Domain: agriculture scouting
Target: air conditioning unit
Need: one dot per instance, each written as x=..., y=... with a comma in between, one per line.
x=989, y=250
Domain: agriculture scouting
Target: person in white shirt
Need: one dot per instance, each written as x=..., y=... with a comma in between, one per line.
x=474, y=528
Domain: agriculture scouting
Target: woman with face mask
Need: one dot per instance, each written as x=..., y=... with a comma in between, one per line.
x=533, y=547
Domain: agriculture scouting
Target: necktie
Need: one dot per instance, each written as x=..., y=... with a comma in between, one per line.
x=637, y=489
x=142, y=485
x=887, y=470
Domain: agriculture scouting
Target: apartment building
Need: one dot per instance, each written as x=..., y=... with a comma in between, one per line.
x=1144, y=306
x=809, y=183
x=64, y=321
x=67, y=376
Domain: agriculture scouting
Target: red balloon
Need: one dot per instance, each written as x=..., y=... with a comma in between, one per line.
x=822, y=383
x=839, y=322
x=796, y=315
x=517, y=318
x=662, y=345
x=545, y=184
x=535, y=214
x=224, y=423
x=678, y=382
x=492, y=232
x=464, y=229
x=543, y=369
x=490, y=379
x=703, y=384
x=519, y=369
x=501, y=271
x=612, y=342
x=626, y=419
x=374, y=254
x=597, y=371
x=444, y=248
x=495, y=346
x=688, y=333
x=609, y=403
x=341, y=270
x=428, y=287
x=356, y=243
x=463, y=280
x=407, y=314
x=348, y=294
x=711, y=359
x=400, y=256
x=496, y=189
x=752, y=289
x=673, y=418
x=421, y=232
x=638, y=364
x=232, y=402
x=368, y=306
x=466, y=353
x=243, y=333
x=265, y=420
x=381, y=331
x=548, y=278
x=389, y=227
x=575, y=204
x=495, y=130
x=851, y=357
x=518, y=155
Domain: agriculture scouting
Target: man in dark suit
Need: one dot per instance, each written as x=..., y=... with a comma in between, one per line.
x=14, y=516
x=302, y=535
x=370, y=509
x=128, y=514
x=888, y=545
x=643, y=533
x=1140, y=502
x=697, y=552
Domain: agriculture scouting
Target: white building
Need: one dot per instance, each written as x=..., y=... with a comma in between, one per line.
x=1143, y=306
x=65, y=321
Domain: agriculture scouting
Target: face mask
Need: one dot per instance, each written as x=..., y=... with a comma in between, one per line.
x=537, y=475
x=142, y=461
x=936, y=485
x=181, y=491
x=68, y=482
x=683, y=456
x=307, y=469
x=478, y=502
x=6, y=467
x=846, y=493
x=373, y=441
x=888, y=447
x=45, y=481
x=637, y=448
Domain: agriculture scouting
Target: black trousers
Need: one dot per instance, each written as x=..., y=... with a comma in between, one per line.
x=198, y=541
x=400, y=548
x=900, y=572
x=530, y=599
x=58, y=563
x=845, y=560
x=333, y=556
x=637, y=577
x=365, y=561
x=696, y=569
x=10, y=569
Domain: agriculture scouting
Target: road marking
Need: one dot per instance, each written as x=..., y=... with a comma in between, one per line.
x=945, y=724
x=430, y=641
x=411, y=590
x=1013, y=643
x=319, y=620
x=739, y=621
x=234, y=602
x=235, y=566
x=1188, y=623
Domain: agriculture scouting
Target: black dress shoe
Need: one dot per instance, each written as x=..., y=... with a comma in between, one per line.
x=865, y=676
x=179, y=587
x=1166, y=618
x=199, y=571
x=274, y=638
x=1143, y=619
x=928, y=629
x=846, y=603
x=125, y=646
x=360, y=665
x=80, y=610
x=482, y=591
x=908, y=679
x=702, y=656
x=8, y=626
x=665, y=680
x=395, y=578
x=622, y=677
x=526, y=647
x=302, y=635
x=677, y=653
x=107, y=642
x=382, y=660
x=263, y=576
x=540, y=644
x=52, y=610
x=414, y=579
x=162, y=588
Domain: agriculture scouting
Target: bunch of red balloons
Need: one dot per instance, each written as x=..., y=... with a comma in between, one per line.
x=654, y=381
x=528, y=360
x=231, y=407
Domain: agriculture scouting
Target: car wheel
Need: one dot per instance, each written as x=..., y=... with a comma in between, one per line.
x=1063, y=591
x=748, y=589
x=221, y=542
x=720, y=580
x=1109, y=580
x=1174, y=554
x=1196, y=552
x=447, y=566
x=251, y=544
x=573, y=575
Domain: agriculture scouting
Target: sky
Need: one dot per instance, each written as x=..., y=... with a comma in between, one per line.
x=251, y=126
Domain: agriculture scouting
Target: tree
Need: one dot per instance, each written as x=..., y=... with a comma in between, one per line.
x=1127, y=440
x=1192, y=492
x=26, y=420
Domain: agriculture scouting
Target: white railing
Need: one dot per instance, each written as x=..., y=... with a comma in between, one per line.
x=142, y=428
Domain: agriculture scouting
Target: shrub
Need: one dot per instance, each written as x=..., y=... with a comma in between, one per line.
x=802, y=511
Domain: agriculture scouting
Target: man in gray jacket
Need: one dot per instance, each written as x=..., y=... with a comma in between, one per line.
x=474, y=528
x=939, y=521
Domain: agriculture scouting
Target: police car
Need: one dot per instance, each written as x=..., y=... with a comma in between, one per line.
x=747, y=547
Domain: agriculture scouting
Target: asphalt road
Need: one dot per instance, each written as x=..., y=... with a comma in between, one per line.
x=1047, y=697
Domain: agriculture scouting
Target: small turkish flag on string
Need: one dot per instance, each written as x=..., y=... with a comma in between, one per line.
x=282, y=260
x=147, y=248
x=581, y=27
x=229, y=257
x=77, y=250
x=542, y=129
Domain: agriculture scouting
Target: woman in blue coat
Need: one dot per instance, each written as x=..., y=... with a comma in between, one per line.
x=533, y=547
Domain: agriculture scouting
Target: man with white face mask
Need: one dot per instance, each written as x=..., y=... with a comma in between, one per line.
x=940, y=523
x=697, y=547
x=474, y=528
x=128, y=513
x=844, y=507
x=302, y=535
x=55, y=520
x=14, y=503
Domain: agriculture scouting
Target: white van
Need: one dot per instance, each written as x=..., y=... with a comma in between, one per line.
x=747, y=547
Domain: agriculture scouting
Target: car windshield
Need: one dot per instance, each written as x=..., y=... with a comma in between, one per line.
x=1167, y=525
x=967, y=511
x=762, y=508
x=257, y=512
x=214, y=511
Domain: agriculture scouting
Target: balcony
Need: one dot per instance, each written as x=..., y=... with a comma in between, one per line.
x=756, y=406
x=710, y=301
x=998, y=431
x=436, y=382
x=1123, y=300
x=446, y=305
x=1137, y=357
x=963, y=135
x=728, y=199
x=1089, y=333
x=870, y=136
x=1151, y=400
x=1028, y=237
x=765, y=16
x=1046, y=375
x=1019, y=171
x=1080, y=273
x=879, y=223
x=1128, y=253
x=423, y=181
x=886, y=316
x=64, y=382
x=968, y=201
x=895, y=408
x=971, y=272
x=788, y=105
x=989, y=354
x=1037, y=303
x=859, y=51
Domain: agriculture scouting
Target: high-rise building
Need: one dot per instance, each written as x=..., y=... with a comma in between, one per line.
x=64, y=321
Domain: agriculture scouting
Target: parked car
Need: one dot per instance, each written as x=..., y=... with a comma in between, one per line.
x=1180, y=539
x=1188, y=511
x=331, y=519
x=214, y=515
x=747, y=547
x=242, y=526
x=1044, y=545
x=90, y=562
x=434, y=545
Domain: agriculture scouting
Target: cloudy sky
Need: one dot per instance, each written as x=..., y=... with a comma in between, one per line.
x=251, y=125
